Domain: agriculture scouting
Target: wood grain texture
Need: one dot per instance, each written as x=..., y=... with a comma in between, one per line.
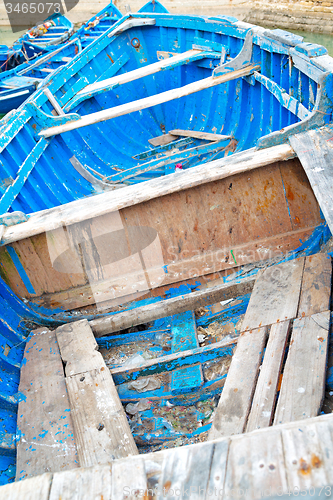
x=78, y=211
x=316, y=285
x=308, y=454
x=263, y=403
x=275, y=295
x=102, y=433
x=44, y=424
x=78, y=348
x=303, y=381
x=169, y=307
x=232, y=411
x=255, y=464
x=34, y=488
x=199, y=135
x=82, y=484
x=218, y=468
x=315, y=151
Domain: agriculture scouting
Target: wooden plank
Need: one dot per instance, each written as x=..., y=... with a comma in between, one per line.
x=255, y=466
x=80, y=210
x=78, y=348
x=275, y=295
x=218, y=469
x=129, y=480
x=44, y=423
x=316, y=285
x=235, y=401
x=263, y=403
x=303, y=382
x=35, y=488
x=147, y=102
x=162, y=140
x=101, y=430
x=82, y=484
x=186, y=469
x=169, y=307
x=205, y=136
x=308, y=455
x=184, y=337
x=314, y=149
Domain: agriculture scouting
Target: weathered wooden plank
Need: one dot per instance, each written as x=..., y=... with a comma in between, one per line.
x=275, y=295
x=78, y=348
x=308, y=455
x=169, y=307
x=133, y=195
x=235, y=401
x=261, y=413
x=162, y=140
x=316, y=285
x=217, y=469
x=34, y=488
x=82, y=484
x=303, y=381
x=44, y=423
x=186, y=469
x=314, y=149
x=199, y=135
x=255, y=467
x=102, y=433
x=129, y=480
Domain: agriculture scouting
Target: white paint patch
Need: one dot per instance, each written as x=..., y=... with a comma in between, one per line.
x=301, y=390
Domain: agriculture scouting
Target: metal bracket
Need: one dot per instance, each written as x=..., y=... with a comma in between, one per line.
x=241, y=60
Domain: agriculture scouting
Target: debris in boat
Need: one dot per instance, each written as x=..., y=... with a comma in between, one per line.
x=134, y=408
x=216, y=368
x=145, y=384
x=201, y=311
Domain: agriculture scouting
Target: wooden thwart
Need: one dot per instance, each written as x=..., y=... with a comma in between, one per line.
x=44, y=425
x=101, y=429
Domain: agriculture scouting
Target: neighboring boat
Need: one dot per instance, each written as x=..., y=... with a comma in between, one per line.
x=43, y=37
x=18, y=84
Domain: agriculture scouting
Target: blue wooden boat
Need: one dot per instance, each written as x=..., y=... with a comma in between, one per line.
x=16, y=85
x=42, y=38
x=236, y=198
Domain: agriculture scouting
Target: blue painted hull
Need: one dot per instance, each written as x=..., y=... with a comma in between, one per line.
x=283, y=94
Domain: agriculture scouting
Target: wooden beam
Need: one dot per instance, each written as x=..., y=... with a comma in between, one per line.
x=44, y=425
x=101, y=429
x=175, y=305
x=80, y=210
x=148, y=102
x=205, y=136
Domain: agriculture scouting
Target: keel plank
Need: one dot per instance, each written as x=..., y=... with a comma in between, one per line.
x=235, y=401
x=275, y=295
x=316, y=285
x=44, y=424
x=303, y=381
x=261, y=413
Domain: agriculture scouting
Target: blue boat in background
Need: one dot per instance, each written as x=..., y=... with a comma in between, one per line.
x=18, y=83
x=163, y=159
